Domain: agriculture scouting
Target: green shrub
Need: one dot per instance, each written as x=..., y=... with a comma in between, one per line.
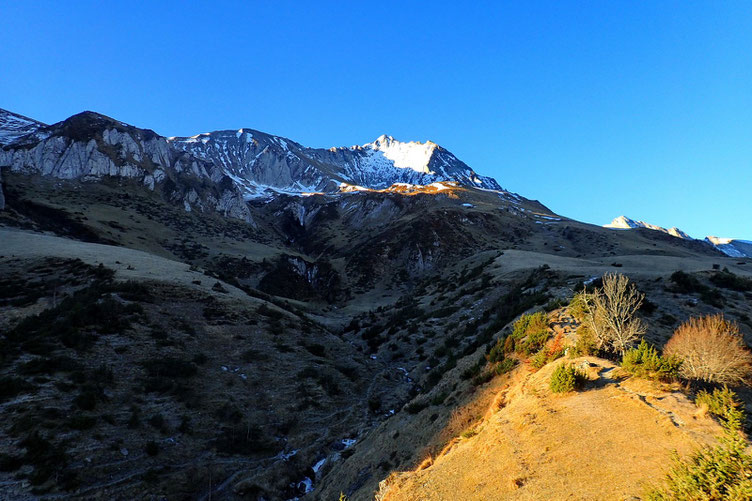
x=554, y=304
x=644, y=361
x=497, y=351
x=534, y=342
x=713, y=297
x=585, y=344
x=80, y=422
x=728, y=280
x=549, y=353
x=317, y=350
x=471, y=371
x=505, y=366
x=530, y=333
x=11, y=386
x=720, y=472
x=577, y=307
x=416, y=407
x=245, y=439
x=539, y=359
x=48, y=459
x=684, y=283
x=721, y=403
x=89, y=396
x=469, y=433
x=169, y=367
x=483, y=378
x=508, y=344
x=528, y=323
x=566, y=378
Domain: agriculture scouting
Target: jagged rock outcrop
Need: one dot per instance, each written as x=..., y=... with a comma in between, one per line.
x=217, y=170
x=260, y=162
x=296, y=278
x=92, y=147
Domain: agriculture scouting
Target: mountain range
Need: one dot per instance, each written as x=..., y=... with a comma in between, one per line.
x=222, y=169
x=238, y=164
x=234, y=315
x=729, y=246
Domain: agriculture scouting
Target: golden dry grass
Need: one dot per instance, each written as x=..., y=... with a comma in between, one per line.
x=610, y=441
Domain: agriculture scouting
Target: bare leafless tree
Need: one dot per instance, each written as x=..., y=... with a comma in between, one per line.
x=712, y=350
x=611, y=313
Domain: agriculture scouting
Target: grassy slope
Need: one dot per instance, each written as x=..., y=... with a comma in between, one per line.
x=423, y=276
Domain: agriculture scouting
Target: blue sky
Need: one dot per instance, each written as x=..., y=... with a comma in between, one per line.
x=595, y=108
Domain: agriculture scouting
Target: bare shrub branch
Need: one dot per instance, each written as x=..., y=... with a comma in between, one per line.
x=610, y=313
x=712, y=350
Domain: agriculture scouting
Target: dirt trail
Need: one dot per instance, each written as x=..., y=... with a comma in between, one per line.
x=610, y=441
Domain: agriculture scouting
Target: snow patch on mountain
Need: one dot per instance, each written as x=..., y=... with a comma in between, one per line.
x=14, y=126
x=413, y=155
x=731, y=247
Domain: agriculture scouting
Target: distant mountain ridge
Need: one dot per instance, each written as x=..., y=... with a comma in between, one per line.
x=232, y=165
x=729, y=246
x=91, y=147
x=625, y=223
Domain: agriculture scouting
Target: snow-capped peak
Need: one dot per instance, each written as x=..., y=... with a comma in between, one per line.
x=731, y=246
x=413, y=155
x=625, y=223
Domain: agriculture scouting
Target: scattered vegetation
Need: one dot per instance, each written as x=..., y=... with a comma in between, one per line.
x=728, y=280
x=720, y=472
x=645, y=361
x=684, y=283
x=712, y=350
x=549, y=353
x=722, y=402
x=566, y=378
x=72, y=323
x=530, y=333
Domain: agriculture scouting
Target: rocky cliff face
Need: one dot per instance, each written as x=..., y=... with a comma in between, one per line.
x=217, y=171
x=262, y=163
x=92, y=147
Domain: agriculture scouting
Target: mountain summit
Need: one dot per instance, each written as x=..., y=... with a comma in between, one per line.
x=217, y=170
x=729, y=246
x=625, y=223
x=262, y=163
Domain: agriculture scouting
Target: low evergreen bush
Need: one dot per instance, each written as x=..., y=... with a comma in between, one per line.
x=644, y=361
x=566, y=378
x=720, y=472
